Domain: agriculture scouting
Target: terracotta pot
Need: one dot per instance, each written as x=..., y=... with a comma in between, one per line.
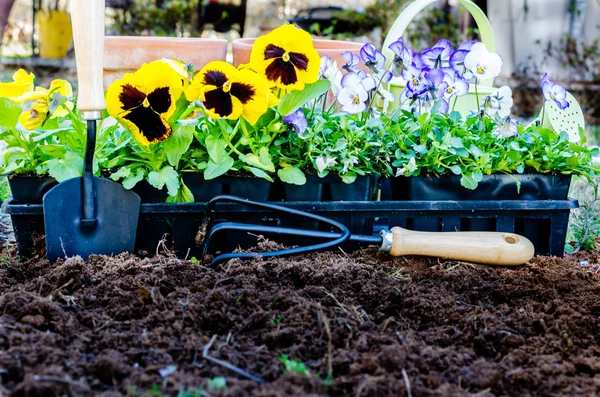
x=124, y=54
x=332, y=48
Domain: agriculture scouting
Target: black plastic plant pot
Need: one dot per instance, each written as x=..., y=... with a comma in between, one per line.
x=251, y=188
x=330, y=188
x=30, y=189
x=248, y=187
x=544, y=222
x=327, y=189
x=492, y=187
x=150, y=194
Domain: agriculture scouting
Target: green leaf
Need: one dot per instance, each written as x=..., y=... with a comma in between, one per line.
x=178, y=143
x=292, y=175
x=456, y=143
x=70, y=166
x=349, y=177
x=167, y=176
x=9, y=113
x=298, y=98
x=214, y=170
x=259, y=173
x=253, y=160
x=421, y=149
x=456, y=170
x=184, y=195
x=264, y=156
x=470, y=181
x=132, y=179
x=215, y=148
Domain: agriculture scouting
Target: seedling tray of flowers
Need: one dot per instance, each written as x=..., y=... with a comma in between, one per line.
x=542, y=221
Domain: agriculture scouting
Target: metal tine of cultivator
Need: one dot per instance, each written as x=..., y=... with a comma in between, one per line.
x=284, y=231
x=337, y=238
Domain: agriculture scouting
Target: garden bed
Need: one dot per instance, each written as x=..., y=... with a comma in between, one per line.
x=110, y=326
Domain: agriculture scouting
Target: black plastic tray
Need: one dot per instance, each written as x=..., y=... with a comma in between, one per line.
x=491, y=187
x=544, y=222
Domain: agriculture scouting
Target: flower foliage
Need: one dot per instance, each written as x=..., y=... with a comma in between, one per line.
x=286, y=114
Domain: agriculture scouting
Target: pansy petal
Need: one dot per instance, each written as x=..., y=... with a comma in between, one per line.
x=547, y=90
x=369, y=83
x=253, y=92
x=351, y=79
x=562, y=103
x=559, y=91
x=461, y=87
x=467, y=45
x=346, y=95
x=545, y=79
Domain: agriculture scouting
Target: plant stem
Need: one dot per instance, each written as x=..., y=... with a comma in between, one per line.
x=376, y=90
x=476, y=94
x=226, y=136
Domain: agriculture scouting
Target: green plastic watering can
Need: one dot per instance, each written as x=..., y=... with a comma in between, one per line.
x=464, y=104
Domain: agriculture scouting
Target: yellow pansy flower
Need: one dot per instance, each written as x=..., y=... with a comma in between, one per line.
x=22, y=83
x=145, y=100
x=286, y=57
x=181, y=68
x=36, y=113
x=229, y=93
x=62, y=87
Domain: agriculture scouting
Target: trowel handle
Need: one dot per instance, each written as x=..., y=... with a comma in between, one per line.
x=494, y=248
x=88, y=35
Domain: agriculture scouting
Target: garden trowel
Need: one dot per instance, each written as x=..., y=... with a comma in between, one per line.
x=89, y=215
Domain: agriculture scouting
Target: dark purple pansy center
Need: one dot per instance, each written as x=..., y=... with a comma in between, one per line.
x=219, y=100
x=147, y=118
x=284, y=65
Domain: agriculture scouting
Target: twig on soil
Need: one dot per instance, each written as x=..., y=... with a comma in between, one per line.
x=43, y=378
x=481, y=393
x=56, y=291
x=325, y=321
x=162, y=243
x=364, y=384
x=225, y=364
x=406, y=382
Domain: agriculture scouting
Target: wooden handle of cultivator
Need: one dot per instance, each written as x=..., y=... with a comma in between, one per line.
x=493, y=248
x=88, y=35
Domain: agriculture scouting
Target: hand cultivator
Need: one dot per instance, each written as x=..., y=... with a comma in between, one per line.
x=494, y=248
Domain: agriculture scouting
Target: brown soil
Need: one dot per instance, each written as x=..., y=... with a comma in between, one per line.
x=390, y=327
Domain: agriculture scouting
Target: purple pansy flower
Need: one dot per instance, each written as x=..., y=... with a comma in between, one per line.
x=415, y=78
x=483, y=64
x=373, y=58
x=455, y=85
x=435, y=83
x=508, y=128
x=403, y=56
x=353, y=95
x=352, y=61
x=554, y=92
x=297, y=121
x=457, y=59
x=439, y=55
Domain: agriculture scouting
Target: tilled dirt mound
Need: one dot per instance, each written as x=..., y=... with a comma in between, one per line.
x=385, y=327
